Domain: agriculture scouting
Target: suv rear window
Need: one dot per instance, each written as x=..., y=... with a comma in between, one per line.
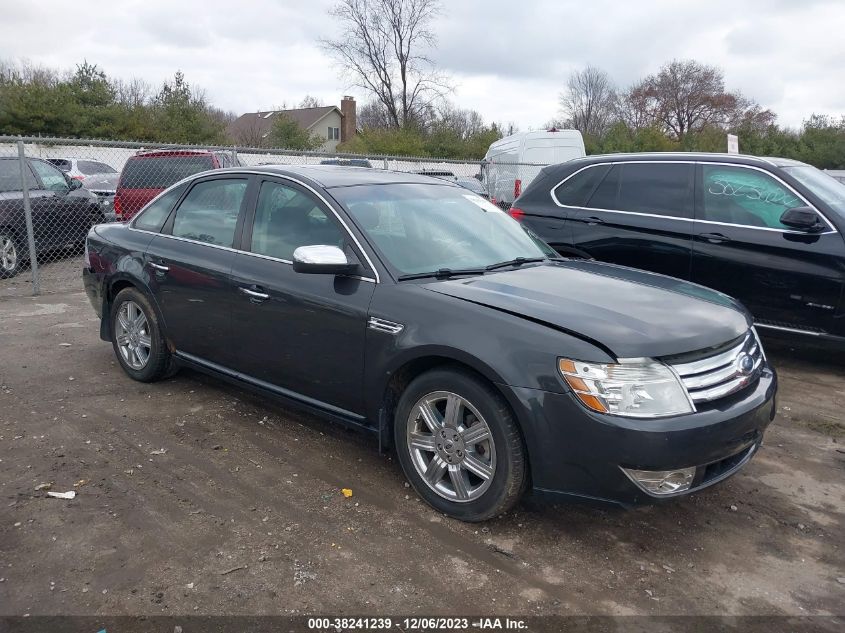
x=575, y=190
x=159, y=172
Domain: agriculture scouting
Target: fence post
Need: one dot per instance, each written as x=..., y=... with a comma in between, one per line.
x=234, y=156
x=27, y=211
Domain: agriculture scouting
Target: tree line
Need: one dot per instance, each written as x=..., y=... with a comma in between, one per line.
x=685, y=106
x=86, y=103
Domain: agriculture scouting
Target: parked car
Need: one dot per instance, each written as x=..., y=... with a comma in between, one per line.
x=767, y=231
x=104, y=186
x=149, y=172
x=347, y=162
x=512, y=162
x=81, y=168
x=401, y=305
x=62, y=212
x=473, y=185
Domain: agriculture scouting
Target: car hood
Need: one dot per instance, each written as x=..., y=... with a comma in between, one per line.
x=629, y=312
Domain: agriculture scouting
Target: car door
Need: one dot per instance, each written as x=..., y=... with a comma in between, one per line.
x=640, y=216
x=60, y=215
x=786, y=278
x=188, y=266
x=301, y=333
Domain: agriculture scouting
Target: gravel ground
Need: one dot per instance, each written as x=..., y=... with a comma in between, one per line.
x=194, y=497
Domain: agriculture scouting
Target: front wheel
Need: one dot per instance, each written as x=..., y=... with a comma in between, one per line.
x=137, y=338
x=10, y=255
x=459, y=445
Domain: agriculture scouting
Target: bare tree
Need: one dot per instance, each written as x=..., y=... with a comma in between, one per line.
x=133, y=93
x=589, y=101
x=636, y=107
x=688, y=96
x=383, y=50
x=310, y=102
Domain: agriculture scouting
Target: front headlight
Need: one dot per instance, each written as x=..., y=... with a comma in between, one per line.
x=635, y=387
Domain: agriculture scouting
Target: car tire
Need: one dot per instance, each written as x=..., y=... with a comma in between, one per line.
x=137, y=337
x=470, y=426
x=10, y=254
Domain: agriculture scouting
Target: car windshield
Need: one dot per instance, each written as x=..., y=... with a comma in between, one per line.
x=423, y=228
x=825, y=187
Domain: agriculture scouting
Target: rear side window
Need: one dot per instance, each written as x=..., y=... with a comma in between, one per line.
x=159, y=172
x=659, y=188
x=10, y=176
x=575, y=190
x=605, y=196
x=89, y=167
x=154, y=216
x=738, y=195
x=210, y=211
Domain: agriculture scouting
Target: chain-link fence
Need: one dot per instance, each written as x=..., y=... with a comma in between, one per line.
x=53, y=190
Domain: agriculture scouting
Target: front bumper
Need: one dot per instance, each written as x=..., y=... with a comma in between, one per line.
x=579, y=454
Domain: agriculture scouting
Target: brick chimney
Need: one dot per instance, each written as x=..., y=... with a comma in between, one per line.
x=350, y=118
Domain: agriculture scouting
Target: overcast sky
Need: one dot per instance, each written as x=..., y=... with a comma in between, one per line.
x=508, y=59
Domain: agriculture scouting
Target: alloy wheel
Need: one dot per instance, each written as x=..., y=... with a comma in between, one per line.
x=132, y=332
x=451, y=446
x=8, y=253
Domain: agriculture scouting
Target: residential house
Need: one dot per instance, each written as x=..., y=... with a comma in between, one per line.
x=331, y=123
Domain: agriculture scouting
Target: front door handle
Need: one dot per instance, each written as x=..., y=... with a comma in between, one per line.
x=159, y=267
x=592, y=220
x=256, y=296
x=714, y=238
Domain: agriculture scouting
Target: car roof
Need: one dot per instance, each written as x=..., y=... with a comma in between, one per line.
x=153, y=153
x=715, y=157
x=328, y=176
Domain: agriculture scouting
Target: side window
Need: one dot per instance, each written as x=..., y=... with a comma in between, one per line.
x=10, y=176
x=53, y=179
x=89, y=167
x=286, y=218
x=606, y=194
x=155, y=215
x=575, y=190
x=738, y=195
x=210, y=211
x=660, y=188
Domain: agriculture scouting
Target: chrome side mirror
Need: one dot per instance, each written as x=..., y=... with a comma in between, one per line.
x=322, y=259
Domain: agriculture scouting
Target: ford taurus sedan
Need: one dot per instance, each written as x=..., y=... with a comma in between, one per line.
x=415, y=309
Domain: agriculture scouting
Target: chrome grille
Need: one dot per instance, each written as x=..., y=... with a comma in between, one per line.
x=724, y=373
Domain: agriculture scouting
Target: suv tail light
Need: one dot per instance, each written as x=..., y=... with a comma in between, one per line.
x=118, y=207
x=516, y=213
x=517, y=188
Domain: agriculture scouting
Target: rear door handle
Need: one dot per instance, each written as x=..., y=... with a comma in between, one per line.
x=255, y=295
x=714, y=238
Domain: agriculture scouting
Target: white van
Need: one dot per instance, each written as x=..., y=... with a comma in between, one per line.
x=514, y=161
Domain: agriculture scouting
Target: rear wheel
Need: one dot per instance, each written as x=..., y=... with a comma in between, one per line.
x=459, y=445
x=137, y=338
x=10, y=254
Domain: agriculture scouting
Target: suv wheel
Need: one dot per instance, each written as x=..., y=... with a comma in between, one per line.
x=459, y=445
x=10, y=254
x=137, y=338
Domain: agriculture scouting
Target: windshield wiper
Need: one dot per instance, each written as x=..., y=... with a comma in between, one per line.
x=517, y=261
x=443, y=273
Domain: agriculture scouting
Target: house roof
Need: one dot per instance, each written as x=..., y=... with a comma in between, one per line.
x=258, y=124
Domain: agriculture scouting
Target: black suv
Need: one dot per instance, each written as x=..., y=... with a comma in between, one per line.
x=767, y=231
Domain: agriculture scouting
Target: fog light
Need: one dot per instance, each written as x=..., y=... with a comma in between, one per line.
x=662, y=482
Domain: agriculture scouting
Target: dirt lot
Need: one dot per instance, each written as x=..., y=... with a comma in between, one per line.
x=195, y=497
